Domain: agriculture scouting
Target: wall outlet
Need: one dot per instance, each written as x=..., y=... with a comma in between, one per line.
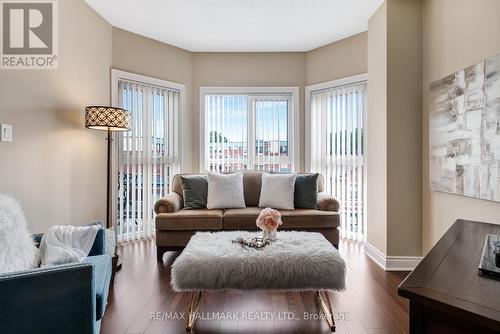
x=5, y=132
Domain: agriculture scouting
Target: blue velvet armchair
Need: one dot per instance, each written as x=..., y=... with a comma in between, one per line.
x=69, y=298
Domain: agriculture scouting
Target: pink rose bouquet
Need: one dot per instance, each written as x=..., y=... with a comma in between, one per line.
x=268, y=221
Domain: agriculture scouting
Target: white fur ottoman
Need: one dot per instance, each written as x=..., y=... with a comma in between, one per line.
x=297, y=261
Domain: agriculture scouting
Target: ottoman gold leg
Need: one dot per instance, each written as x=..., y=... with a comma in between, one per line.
x=193, y=308
x=326, y=308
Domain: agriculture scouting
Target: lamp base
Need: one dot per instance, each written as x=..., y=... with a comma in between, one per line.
x=116, y=264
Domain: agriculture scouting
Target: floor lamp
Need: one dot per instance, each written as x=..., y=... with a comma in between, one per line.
x=108, y=119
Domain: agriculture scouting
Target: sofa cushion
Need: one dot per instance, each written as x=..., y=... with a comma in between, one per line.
x=241, y=218
x=244, y=219
x=188, y=220
x=309, y=218
x=102, y=278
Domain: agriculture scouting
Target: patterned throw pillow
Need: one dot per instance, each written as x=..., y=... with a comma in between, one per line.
x=225, y=191
x=277, y=191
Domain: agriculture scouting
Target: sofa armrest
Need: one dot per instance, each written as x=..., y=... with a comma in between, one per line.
x=59, y=299
x=327, y=202
x=169, y=204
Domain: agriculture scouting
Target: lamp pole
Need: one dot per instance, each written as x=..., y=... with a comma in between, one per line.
x=109, y=119
x=109, y=215
x=109, y=222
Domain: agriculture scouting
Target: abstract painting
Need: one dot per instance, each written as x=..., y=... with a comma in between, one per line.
x=464, y=128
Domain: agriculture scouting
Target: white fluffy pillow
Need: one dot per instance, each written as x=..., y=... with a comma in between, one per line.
x=225, y=191
x=17, y=249
x=277, y=191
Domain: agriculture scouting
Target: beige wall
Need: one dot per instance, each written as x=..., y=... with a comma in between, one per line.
x=248, y=70
x=55, y=167
x=141, y=55
x=377, y=130
x=404, y=128
x=337, y=60
x=394, y=128
x=456, y=34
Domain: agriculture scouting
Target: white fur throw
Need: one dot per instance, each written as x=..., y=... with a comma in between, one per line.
x=17, y=250
x=296, y=261
x=277, y=191
x=225, y=191
x=67, y=244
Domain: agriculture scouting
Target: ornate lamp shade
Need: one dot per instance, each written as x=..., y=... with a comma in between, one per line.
x=107, y=118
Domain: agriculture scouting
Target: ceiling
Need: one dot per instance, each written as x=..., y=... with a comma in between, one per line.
x=240, y=25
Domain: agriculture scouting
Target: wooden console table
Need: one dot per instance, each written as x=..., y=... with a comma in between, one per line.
x=445, y=291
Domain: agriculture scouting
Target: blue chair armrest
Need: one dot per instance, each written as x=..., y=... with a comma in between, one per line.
x=37, y=238
x=59, y=299
x=97, y=247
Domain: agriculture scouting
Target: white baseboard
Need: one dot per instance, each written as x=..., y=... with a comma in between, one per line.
x=391, y=263
x=377, y=256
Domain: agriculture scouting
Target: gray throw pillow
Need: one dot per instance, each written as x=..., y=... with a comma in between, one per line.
x=306, y=191
x=194, y=191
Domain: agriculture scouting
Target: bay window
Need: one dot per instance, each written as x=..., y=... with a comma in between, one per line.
x=248, y=128
x=335, y=146
x=147, y=157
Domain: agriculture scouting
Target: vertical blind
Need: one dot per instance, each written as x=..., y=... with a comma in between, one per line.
x=337, y=151
x=146, y=156
x=248, y=132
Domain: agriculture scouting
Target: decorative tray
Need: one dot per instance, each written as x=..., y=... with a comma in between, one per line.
x=253, y=242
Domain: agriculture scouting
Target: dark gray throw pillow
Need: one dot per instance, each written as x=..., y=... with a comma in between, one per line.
x=306, y=191
x=194, y=191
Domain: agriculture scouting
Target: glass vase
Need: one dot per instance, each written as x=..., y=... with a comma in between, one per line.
x=269, y=235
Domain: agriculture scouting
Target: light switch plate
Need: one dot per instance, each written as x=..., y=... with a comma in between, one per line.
x=5, y=132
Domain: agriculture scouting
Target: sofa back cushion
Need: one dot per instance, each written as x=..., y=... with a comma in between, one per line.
x=252, y=184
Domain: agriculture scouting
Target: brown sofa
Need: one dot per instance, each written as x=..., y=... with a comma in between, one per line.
x=175, y=225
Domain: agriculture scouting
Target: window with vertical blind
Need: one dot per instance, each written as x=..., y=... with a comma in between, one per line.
x=248, y=130
x=147, y=156
x=335, y=144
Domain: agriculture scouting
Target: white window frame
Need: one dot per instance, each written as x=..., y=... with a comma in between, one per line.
x=179, y=135
x=293, y=120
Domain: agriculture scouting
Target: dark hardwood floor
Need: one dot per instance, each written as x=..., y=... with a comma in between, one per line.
x=370, y=304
